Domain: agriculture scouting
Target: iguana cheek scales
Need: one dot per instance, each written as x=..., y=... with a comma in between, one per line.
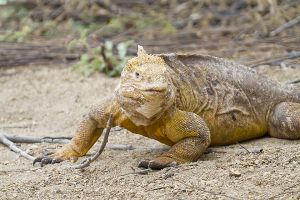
x=190, y=102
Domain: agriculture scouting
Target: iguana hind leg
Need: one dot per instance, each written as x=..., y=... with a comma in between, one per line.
x=284, y=121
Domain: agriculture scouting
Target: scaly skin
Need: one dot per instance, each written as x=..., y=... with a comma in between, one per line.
x=189, y=102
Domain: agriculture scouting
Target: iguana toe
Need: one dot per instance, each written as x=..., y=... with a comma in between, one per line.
x=65, y=153
x=158, y=163
x=44, y=160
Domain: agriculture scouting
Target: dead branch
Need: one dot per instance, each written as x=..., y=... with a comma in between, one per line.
x=254, y=150
x=272, y=61
x=119, y=147
x=32, y=139
x=139, y=172
x=243, y=147
x=60, y=140
x=88, y=161
x=64, y=140
x=16, y=54
x=14, y=148
x=294, y=81
x=250, y=150
x=289, y=24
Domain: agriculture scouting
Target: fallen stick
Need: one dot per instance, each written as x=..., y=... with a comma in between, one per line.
x=289, y=24
x=139, y=172
x=64, y=140
x=290, y=55
x=254, y=150
x=294, y=81
x=14, y=148
x=9, y=141
x=88, y=161
x=32, y=139
x=119, y=147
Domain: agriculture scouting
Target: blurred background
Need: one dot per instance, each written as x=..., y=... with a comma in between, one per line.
x=100, y=35
x=57, y=58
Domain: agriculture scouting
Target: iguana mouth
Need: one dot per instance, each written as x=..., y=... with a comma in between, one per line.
x=156, y=87
x=138, y=93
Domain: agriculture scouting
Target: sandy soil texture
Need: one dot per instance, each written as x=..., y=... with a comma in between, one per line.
x=50, y=100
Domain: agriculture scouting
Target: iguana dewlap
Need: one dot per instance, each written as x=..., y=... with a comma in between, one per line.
x=190, y=102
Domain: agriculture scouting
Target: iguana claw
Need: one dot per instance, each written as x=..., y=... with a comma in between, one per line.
x=44, y=160
x=158, y=163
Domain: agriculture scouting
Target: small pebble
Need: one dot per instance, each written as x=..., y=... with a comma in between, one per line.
x=6, y=162
x=168, y=175
x=234, y=172
x=57, y=191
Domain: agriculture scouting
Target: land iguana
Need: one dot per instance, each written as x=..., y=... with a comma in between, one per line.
x=189, y=102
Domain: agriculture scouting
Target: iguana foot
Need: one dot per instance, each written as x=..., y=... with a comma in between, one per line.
x=44, y=160
x=65, y=153
x=158, y=163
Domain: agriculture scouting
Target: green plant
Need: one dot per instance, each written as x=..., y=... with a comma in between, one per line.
x=18, y=36
x=102, y=58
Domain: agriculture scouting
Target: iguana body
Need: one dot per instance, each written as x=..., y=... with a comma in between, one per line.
x=190, y=102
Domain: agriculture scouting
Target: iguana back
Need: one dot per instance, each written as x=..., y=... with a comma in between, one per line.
x=233, y=99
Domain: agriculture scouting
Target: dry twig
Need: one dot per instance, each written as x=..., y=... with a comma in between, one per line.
x=271, y=61
x=294, y=81
x=17, y=54
x=139, y=172
x=32, y=139
x=88, y=161
x=289, y=24
x=4, y=140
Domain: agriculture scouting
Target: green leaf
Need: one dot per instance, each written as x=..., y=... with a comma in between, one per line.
x=84, y=58
x=108, y=45
x=122, y=48
x=96, y=51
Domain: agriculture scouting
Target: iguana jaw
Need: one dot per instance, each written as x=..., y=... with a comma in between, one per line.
x=145, y=104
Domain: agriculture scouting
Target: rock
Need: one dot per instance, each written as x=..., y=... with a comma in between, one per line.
x=234, y=173
x=6, y=162
x=57, y=191
x=251, y=169
x=168, y=175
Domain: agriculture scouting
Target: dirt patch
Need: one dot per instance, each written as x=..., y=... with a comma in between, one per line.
x=49, y=101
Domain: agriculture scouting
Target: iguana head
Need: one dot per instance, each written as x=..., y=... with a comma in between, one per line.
x=145, y=91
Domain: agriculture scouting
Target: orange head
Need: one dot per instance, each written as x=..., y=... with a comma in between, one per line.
x=145, y=91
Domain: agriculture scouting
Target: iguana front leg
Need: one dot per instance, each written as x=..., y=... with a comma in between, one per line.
x=87, y=133
x=190, y=136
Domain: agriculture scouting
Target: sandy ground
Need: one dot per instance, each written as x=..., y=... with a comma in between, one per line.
x=50, y=101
